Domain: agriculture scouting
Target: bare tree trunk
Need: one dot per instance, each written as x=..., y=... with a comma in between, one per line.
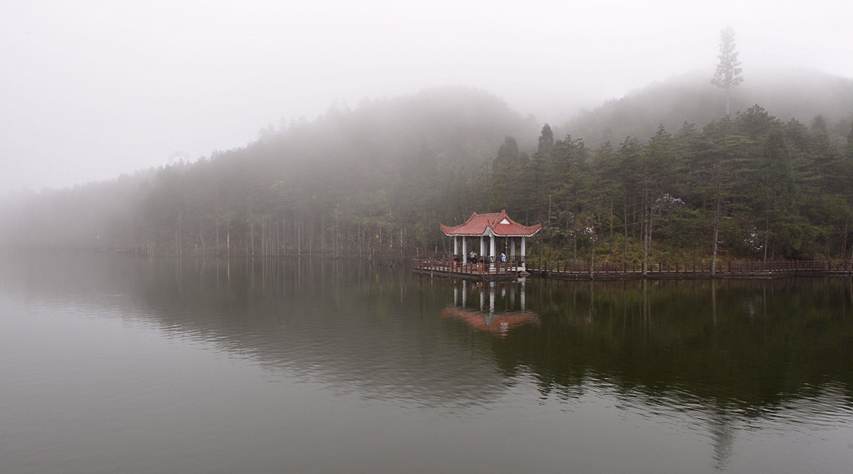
x=550, y=243
x=625, y=251
x=850, y=265
x=766, y=235
x=567, y=218
x=643, y=223
x=201, y=238
x=645, y=235
x=592, y=257
x=716, y=229
x=575, y=237
x=636, y=221
x=651, y=227
x=611, y=227
x=844, y=239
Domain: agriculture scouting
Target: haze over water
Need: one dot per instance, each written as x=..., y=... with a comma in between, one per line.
x=121, y=364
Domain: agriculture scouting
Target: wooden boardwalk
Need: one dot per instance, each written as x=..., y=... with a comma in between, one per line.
x=632, y=271
x=690, y=270
x=470, y=271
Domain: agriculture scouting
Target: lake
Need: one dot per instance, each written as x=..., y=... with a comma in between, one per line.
x=112, y=363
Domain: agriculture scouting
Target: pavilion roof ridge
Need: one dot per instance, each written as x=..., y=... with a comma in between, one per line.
x=493, y=223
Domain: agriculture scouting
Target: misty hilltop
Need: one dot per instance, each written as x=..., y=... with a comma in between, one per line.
x=378, y=179
x=367, y=163
x=455, y=126
x=785, y=93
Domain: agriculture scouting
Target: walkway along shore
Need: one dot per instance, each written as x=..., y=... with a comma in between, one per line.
x=631, y=271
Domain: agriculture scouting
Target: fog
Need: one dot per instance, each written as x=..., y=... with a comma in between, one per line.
x=92, y=89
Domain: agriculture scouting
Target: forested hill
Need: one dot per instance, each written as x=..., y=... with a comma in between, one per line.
x=784, y=93
x=398, y=163
x=378, y=179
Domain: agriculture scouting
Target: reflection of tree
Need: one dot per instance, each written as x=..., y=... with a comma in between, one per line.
x=353, y=325
x=714, y=302
x=694, y=337
x=659, y=338
x=357, y=323
x=722, y=427
x=734, y=350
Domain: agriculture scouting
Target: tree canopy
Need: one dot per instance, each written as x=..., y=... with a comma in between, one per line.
x=377, y=180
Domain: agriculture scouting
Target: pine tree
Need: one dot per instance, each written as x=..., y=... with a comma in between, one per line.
x=546, y=139
x=728, y=71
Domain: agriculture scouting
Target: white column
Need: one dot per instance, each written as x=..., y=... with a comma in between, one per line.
x=455, y=245
x=492, y=249
x=482, y=247
x=511, y=247
x=464, y=251
x=523, y=249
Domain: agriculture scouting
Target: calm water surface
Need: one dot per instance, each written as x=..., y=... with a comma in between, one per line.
x=120, y=364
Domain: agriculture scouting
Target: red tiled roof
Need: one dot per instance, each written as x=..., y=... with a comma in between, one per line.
x=499, y=222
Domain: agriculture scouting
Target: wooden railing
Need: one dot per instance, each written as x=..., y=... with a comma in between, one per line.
x=722, y=267
x=447, y=265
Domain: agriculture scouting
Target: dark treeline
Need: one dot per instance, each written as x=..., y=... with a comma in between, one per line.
x=377, y=180
x=750, y=186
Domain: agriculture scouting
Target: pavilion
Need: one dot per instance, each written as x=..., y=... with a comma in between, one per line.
x=492, y=225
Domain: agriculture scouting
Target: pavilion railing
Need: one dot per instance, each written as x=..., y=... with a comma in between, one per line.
x=452, y=265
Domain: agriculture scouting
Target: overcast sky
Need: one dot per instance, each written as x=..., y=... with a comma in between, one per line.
x=92, y=89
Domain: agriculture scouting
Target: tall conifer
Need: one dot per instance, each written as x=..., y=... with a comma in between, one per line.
x=728, y=71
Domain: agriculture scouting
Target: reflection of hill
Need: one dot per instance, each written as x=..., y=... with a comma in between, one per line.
x=351, y=326
x=356, y=326
x=762, y=343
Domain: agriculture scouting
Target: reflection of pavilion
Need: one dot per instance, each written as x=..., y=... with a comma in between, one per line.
x=486, y=319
